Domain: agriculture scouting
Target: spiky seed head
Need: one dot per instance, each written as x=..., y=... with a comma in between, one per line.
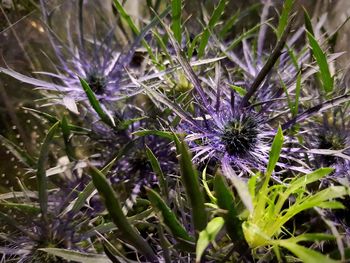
x=97, y=82
x=332, y=140
x=240, y=135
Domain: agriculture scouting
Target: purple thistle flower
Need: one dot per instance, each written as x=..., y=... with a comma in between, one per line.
x=97, y=61
x=331, y=145
x=27, y=233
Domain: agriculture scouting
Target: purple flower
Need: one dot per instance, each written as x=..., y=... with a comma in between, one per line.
x=93, y=58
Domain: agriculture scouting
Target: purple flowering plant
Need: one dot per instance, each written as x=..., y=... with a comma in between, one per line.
x=189, y=143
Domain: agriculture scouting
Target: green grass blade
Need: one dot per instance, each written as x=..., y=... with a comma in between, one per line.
x=308, y=23
x=275, y=152
x=158, y=171
x=163, y=134
x=168, y=216
x=96, y=104
x=190, y=180
x=134, y=28
x=114, y=208
x=41, y=171
x=217, y=13
x=76, y=256
x=321, y=59
x=287, y=8
x=79, y=202
x=176, y=19
x=306, y=254
x=273, y=158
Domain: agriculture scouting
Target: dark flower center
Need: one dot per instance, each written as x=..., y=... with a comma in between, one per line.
x=331, y=140
x=97, y=82
x=240, y=135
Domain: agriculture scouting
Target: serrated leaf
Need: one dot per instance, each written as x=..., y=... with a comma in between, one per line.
x=208, y=235
x=76, y=256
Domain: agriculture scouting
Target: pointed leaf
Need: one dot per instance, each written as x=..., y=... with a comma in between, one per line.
x=168, y=216
x=208, y=235
x=321, y=59
x=225, y=201
x=41, y=172
x=76, y=256
x=114, y=208
x=190, y=180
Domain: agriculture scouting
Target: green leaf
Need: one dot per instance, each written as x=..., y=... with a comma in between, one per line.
x=321, y=59
x=305, y=254
x=208, y=235
x=287, y=8
x=41, y=171
x=114, y=208
x=225, y=201
x=229, y=24
x=244, y=35
x=308, y=23
x=206, y=186
x=313, y=237
x=241, y=91
x=106, y=118
x=176, y=19
x=217, y=13
x=164, y=134
x=190, y=180
x=275, y=152
x=158, y=171
x=301, y=182
x=76, y=256
x=168, y=216
x=21, y=155
x=79, y=202
x=134, y=28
